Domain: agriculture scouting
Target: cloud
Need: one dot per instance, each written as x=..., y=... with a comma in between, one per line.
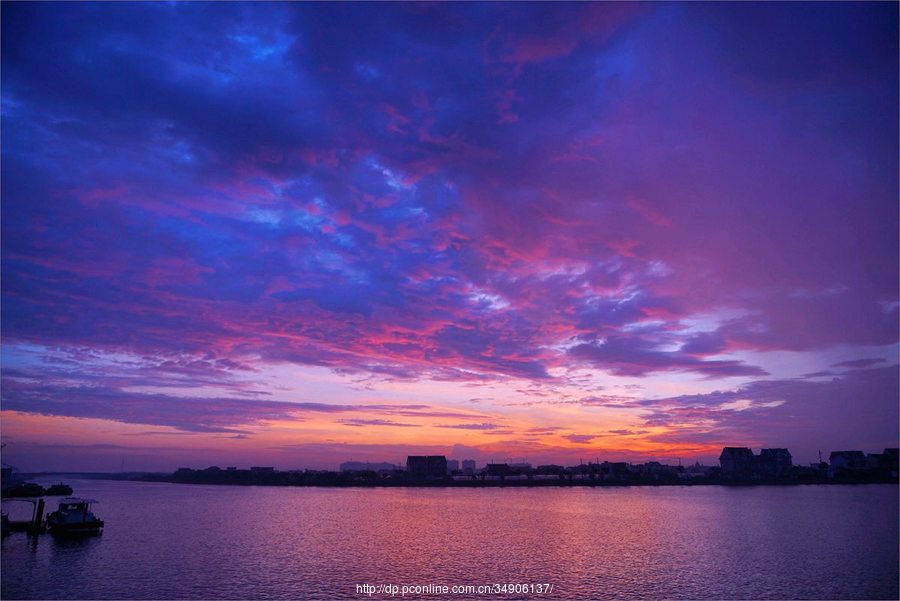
x=183, y=413
x=213, y=190
x=285, y=245
x=483, y=426
x=856, y=410
x=859, y=363
x=636, y=356
x=580, y=438
x=375, y=422
x=190, y=413
x=544, y=430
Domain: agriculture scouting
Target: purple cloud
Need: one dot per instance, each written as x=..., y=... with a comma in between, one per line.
x=26, y=393
x=359, y=423
x=636, y=356
x=859, y=363
x=856, y=410
x=246, y=231
x=482, y=426
x=235, y=186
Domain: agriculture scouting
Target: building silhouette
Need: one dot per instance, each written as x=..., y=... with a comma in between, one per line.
x=426, y=466
x=739, y=463
x=739, y=466
x=496, y=470
x=845, y=463
x=885, y=463
x=773, y=463
x=365, y=466
x=736, y=462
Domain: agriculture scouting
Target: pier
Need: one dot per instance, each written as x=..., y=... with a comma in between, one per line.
x=33, y=526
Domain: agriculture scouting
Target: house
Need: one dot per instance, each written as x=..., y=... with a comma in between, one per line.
x=497, y=470
x=773, y=463
x=550, y=470
x=612, y=470
x=883, y=464
x=890, y=460
x=736, y=462
x=845, y=463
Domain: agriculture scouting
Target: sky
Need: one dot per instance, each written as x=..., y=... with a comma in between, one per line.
x=300, y=234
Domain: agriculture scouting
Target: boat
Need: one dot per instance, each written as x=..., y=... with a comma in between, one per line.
x=59, y=490
x=26, y=489
x=74, y=516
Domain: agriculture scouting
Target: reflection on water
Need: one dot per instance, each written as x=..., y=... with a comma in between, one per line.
x=204, y=542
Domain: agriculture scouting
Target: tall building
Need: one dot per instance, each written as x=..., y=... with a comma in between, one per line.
x=452, y=465
x=468, y=464
x=426, y=466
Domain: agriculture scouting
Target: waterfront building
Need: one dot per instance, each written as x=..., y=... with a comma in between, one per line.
x=496, y=470
x=656, y=470
x=773, y=463
x=550, y=470
x=613, y=470
x=365, y=466
x=890, y=460
x=845, y=462
x=520, y=469
x=885, y=464
x=696, y=471
x=426, y=466
x=736, y=462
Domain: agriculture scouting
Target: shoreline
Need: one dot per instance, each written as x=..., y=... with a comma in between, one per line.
x=509, y=483
x=298, y=479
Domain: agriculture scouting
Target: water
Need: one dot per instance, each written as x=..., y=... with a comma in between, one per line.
x=169, y=541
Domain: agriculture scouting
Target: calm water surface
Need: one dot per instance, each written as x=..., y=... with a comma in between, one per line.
x=168, y=541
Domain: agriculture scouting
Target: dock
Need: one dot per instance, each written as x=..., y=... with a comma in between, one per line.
x=33, y=526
